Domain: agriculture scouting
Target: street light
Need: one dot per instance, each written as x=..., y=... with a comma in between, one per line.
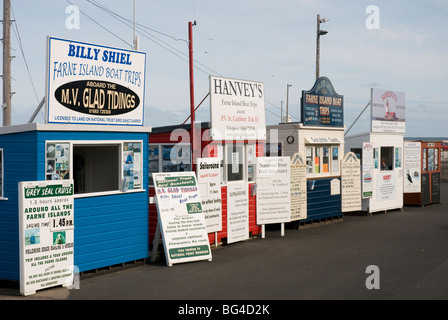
x=318, y=34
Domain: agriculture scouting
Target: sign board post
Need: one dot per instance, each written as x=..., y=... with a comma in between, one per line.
x=181, y=219
x=350, y=183
x=273, y=190
x=46, y=235
x=298, y=188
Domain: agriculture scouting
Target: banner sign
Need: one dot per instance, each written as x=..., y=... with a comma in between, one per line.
x=209, y=181
x=412, y=166
x=322, y=106
x=273, y=190
x=351, y=183
x=94, y=84
x=237, y=212
x=387, y=111
x=237, y=109
x=298, y=188
x=181, y=218
x=367, y=170
x=46, y=223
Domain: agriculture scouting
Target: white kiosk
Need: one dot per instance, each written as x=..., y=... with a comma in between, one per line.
x=381, y=152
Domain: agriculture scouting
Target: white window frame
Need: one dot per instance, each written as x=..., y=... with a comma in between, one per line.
x=332, y=172
x=119, y=144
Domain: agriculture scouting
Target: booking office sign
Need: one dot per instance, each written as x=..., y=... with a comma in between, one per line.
x=322, y=106
x=94, y=84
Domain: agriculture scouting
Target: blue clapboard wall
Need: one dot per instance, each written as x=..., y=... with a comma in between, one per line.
x=321, y=204
x=109, y=230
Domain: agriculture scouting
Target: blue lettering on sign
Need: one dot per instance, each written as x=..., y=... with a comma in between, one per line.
x=89, y=53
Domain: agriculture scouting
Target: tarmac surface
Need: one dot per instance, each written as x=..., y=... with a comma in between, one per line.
x=327, y=262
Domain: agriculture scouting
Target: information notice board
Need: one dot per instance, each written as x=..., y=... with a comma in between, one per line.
x=298, y=188
x=46, y=235
x=181, y=219
x=237, y=212
x=273, y=190
x=209, y=181
x=351, y=183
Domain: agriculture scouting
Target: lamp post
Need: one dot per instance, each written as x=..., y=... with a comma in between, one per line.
x=318, y=34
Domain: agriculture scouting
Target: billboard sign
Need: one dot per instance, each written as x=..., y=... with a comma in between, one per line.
x=387, y=111
x=46, y=235
x=181, y=218
x=94, y=84
x=209, y=182
x=322, y=106
x=237, y=109
x=273, y=190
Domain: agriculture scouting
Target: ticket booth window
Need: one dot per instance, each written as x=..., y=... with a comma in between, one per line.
x=1, y=173
x=322, y=160
x=96, y=166
x=387, y=158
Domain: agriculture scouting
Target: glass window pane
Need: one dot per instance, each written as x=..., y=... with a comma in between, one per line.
x=325, y=159
x=335, y=159
x=317, y=160
x=235, y=162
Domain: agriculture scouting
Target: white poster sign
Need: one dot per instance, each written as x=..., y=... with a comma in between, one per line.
x=351, y=183
x=46, y=223
x=237, y=212
x=181, y=219
x=387, y=186
x=237, y=109
x=94, y=84
x=209, y=181
x=298, y=188
x=367, y=170
x=412, y=166
x=387, y=110
x=273, y=190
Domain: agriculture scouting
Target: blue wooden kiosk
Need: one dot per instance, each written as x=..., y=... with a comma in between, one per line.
x=319, y=138
x=111, y=195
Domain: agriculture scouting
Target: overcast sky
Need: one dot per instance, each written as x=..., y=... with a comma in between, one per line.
x=273, y=42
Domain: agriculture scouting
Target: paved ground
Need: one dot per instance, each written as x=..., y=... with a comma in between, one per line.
x=328, y=262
